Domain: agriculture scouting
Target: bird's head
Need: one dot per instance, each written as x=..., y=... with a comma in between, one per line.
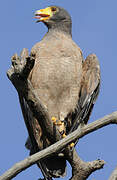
x=54, y=17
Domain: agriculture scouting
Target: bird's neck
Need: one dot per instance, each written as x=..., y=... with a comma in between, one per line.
x=65, y=27
x=56, y=35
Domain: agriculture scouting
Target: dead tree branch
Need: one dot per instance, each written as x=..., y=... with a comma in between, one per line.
x=18, y=74
x=58, y=146
x=113, y=175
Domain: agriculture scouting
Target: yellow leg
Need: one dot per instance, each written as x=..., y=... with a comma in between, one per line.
x=61, y=128
x=58, y=123
x=54, y=120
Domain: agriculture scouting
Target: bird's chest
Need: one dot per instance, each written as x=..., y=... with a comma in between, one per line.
x=57, y=71
x=55, y=68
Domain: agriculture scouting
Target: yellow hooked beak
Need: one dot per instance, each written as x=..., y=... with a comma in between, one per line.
x=43, y=14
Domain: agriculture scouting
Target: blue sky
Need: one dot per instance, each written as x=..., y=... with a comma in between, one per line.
x=95, y=31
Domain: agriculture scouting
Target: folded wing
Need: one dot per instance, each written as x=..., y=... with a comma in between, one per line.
x=89, y=91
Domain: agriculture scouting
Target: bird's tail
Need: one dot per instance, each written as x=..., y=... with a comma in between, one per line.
x=54, y=166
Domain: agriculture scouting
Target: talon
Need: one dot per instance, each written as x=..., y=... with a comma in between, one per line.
x=72, y=145
x=64, y=135
x=53, y=120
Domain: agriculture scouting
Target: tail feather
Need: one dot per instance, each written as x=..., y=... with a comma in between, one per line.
x=54, y=166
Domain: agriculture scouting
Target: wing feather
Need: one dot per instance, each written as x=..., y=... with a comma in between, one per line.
x=89, y=91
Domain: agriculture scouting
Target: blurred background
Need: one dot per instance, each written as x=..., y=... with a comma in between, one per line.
x=95, y=31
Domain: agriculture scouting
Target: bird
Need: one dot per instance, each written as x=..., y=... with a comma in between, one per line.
x=66, y=84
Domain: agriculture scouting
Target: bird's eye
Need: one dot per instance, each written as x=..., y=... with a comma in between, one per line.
x=53, y=9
